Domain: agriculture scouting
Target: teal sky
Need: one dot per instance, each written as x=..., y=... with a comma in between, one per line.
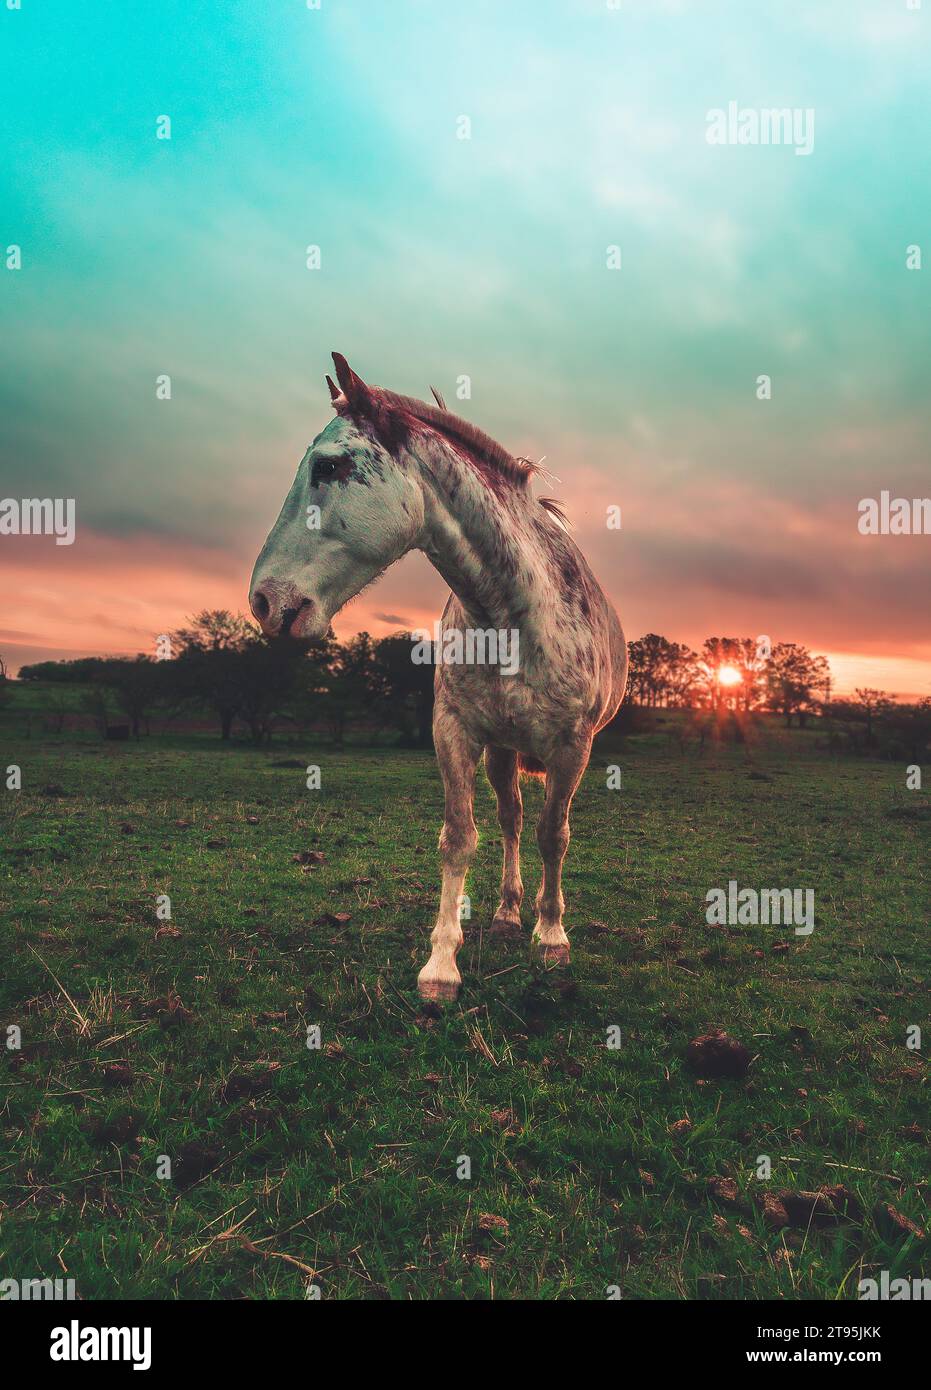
x=486, y=257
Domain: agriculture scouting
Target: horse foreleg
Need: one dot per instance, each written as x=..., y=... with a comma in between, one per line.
x=501, y=767
x=563, y=774
x=458, y=757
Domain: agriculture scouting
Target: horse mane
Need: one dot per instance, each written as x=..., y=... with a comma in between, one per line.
x=478, y=445
x=392, y=416
x=551, y=505
x=486, y=450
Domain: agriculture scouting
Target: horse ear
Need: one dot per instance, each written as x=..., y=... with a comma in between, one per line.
x=354, y=388
x=334, y=389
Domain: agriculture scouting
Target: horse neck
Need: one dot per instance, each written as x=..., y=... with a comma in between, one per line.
x=478, y=535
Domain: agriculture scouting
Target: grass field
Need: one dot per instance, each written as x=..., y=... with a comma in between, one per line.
x=338, y=1165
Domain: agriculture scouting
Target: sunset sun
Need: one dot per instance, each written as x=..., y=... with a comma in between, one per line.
x=729, y=675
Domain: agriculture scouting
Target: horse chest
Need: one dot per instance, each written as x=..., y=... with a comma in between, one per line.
x=516, y=711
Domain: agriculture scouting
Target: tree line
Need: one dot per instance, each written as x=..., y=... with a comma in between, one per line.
x=784, y=679
x=220, y=663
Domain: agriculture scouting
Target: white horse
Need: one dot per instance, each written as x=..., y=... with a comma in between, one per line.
x=391, y=474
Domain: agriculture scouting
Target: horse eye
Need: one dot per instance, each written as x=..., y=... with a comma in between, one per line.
x=325, y=469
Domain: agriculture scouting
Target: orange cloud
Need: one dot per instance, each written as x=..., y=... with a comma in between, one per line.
x=688, y=563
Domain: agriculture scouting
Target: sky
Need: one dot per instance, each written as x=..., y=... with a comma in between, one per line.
x=486, y=257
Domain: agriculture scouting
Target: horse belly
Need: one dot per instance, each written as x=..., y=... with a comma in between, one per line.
x=516, y=711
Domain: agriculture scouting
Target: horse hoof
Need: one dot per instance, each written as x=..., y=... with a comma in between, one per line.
x=438, y=991
x=505, y=926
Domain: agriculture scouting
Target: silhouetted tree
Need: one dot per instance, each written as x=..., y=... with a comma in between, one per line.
x=717, y=653
x=268, y=671
x=207, y=665
x=908, y=730
x=352, y=686
x=214, y=630
x=872, y=703
x=746, y=659
x=682, y=675
x=404, y=689
x=660, y=672
x=80, y=671
x=138, y=685
x=308, y=699
x=793, y=676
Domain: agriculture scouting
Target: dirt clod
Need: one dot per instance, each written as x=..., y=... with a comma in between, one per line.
x=717, y=1054
x=495, y=1225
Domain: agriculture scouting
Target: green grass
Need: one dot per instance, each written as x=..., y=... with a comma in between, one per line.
x=344, y=1158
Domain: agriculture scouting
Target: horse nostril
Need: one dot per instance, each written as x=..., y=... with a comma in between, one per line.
x=260, y=605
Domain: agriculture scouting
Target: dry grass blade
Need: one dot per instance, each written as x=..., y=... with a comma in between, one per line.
x=84, y=1022
x=480, y=1045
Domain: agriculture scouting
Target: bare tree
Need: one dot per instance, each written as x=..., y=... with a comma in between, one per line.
x=873, y=703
